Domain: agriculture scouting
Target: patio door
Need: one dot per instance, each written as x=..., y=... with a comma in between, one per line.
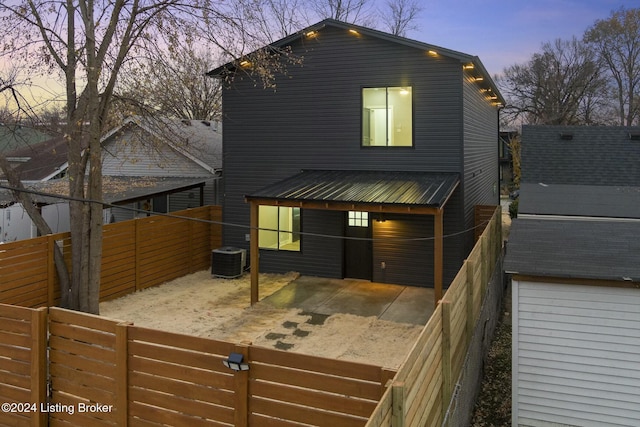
x=358, y=249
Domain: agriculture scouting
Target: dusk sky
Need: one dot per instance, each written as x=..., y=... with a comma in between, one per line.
x=505, y=32
x=500, y=32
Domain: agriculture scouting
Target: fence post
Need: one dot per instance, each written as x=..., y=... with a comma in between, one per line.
x=51, y=270
x=190, y=224
x=447, y=381
x=398, y=404
x=122, y=373
x=137, y=235
x=242, y=388
x=39, y=364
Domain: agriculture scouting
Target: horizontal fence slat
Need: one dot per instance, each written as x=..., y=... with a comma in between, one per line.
x=171, y=339
x=169, y=409
x=182, y=373
x=303, y=414
x=83, y=320
x=208, y=394
x=317, y=364
x=305, y=379
x=312, y=398
x=177, y=355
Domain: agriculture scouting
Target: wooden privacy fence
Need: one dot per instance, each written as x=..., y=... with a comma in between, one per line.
x=136, y=254
x=105, y=372
x=422, y=389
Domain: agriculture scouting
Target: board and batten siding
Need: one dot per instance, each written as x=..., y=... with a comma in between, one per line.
x=576, y=355
x=312, y=120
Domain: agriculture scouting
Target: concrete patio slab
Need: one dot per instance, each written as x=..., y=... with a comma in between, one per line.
x=395, y=303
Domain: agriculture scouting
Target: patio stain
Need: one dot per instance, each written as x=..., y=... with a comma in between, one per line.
x=315, y=318
x=274, y=336
x=301, y=333
x=290, y=325
x=283, y=346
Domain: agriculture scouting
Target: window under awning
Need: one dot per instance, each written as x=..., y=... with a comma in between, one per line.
x=421, y=193
x=377, y=191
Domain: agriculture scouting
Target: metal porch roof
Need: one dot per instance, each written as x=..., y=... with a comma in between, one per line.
x=363, y=187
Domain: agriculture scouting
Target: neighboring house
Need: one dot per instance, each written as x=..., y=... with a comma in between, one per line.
x=574, y=257
x=162, y=166
x=36, y=160
x=184, y=158
x=356, y=158
x=39, y=162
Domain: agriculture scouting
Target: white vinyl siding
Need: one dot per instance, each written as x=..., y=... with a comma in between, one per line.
x=576, y=355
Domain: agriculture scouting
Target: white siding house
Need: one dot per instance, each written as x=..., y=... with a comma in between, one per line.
x=574, y=258
x=576, y=354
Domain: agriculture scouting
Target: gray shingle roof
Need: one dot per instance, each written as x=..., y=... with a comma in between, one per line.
x=374, y=187
x=580, y=200
x=596, y=155
x=603, y=250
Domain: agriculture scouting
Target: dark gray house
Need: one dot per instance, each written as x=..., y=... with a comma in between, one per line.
x=362, y=158
x=574, y=258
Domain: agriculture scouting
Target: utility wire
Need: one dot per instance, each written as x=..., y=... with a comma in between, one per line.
x=228, y=224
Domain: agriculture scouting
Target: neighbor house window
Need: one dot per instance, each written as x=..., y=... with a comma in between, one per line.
x=387, y=117
x=358, y=219
x=279, y=228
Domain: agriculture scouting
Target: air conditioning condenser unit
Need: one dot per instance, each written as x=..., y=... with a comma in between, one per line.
x=228, y=262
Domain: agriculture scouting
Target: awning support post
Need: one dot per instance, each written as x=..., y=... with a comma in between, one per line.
x=254, y=251
x=437, y=255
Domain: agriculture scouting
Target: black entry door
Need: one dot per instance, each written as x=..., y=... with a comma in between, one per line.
x=358, y=248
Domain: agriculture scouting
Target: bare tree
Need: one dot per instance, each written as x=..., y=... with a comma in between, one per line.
x=171, y=83
x=557, y=86
x=400, y=16
x=10, y=84
x=353, y=11
x=88, y=44
x=617, y=41
x=280, y=18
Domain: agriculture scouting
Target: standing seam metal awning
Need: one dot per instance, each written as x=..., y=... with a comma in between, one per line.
x=382, y=191
x=375, y=191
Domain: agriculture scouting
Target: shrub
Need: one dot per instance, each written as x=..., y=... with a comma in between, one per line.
x=513, y=209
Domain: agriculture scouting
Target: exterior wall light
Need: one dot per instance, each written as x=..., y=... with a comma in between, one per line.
x=311, y=34
x=432, y=53
x=354, y=32
x=234, y=362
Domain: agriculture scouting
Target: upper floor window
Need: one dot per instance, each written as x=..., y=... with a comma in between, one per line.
x=279, y=228
x=387, y=117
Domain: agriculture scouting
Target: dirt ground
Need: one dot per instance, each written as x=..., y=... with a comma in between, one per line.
x=216, y=308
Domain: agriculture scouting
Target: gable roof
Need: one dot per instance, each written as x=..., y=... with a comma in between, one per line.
x=581, y=155
x=602, y=250
x=200, y=141
x=464, y=58
x=40, y=161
